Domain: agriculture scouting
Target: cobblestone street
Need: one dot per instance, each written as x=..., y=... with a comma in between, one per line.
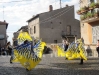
x=51, y=65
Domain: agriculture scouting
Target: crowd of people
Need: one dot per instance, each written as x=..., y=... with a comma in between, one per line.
x=6, y=49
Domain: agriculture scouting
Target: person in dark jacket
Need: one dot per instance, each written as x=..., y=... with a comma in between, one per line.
x=97, y=48
x=9, y=48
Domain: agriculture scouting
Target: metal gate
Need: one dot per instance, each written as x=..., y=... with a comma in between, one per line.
x=95, y=34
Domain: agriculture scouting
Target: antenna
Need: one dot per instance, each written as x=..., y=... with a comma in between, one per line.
x=3, y=12
x=60, y=4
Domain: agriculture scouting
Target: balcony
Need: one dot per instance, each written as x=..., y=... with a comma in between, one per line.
x=86, y=9
x=93, y=19
x=90, y=17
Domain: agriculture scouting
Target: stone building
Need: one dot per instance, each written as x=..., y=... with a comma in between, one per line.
x=51, y=26
x=89, y=14
x=15, y=34
x=3, y=33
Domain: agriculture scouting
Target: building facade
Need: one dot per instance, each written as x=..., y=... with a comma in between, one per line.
x=3, y=33
x=89, y=14
x=15, y=34
x=51, y=26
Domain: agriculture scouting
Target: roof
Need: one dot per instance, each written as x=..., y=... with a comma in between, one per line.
x=4, y=23
x=23, y=27
x=47, y=12
x=33, y=18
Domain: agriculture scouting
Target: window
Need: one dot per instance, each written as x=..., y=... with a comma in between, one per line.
x=68, y=30
x=91, y=1
x=34, y=29
x=60, y=22
x=51, y=22
x=95, y=35
x=55, y=41
x=31, y=31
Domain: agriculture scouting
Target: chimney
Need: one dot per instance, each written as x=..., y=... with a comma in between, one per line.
x=66, y=5
x=4, y=21
x=50, y=7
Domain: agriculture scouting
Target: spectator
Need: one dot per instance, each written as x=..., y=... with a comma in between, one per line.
x=4, y=50
x=97, y=48
x=65, y=44
x=0, y=49
x=9, y=48
x=89, y=52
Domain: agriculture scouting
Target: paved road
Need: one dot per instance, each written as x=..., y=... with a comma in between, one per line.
x=51, y=65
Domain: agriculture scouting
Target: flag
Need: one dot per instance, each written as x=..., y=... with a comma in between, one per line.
x=82, y=50
x=76, y=50
x=23, y=53
x=26, y=57
x=61, y=52
x=22, y=37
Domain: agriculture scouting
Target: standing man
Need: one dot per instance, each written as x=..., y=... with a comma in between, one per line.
x=97, y=48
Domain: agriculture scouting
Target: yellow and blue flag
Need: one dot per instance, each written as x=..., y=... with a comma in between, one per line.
x=29, y=59
x=22, y=37
x=25, y=55
x=75, y=50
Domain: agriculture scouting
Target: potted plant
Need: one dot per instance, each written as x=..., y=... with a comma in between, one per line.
x=79, y=12
x=96, y=5
x=85, y=16
x=89, y=15
x=84, y=9
x=96, y=13
x=82, y=17
x=92, y=6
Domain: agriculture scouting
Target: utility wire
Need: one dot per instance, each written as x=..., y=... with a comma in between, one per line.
x=57, y=14
x=16, y=1
x=55, y=17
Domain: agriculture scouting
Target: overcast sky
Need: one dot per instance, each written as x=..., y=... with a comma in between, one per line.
x=17, y=12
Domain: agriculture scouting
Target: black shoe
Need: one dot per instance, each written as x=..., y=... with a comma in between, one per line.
x=80, y=63
x=66, y=58
x=11, y=60
x=27, y=69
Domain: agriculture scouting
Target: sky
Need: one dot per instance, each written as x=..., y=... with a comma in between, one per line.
x=17, y=12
